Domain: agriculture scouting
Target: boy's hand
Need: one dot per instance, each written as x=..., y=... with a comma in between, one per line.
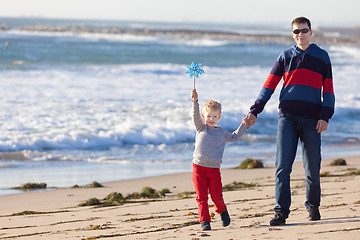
x=194, y=95
x=245, y=123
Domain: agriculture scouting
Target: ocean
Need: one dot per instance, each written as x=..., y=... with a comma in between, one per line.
x=84, y=106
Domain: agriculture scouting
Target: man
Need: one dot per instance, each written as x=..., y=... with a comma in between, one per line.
x=306, y=104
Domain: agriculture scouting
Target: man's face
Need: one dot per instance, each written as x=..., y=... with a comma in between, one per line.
x=302, y=39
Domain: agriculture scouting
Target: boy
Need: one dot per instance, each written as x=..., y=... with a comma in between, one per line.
x=209, y=149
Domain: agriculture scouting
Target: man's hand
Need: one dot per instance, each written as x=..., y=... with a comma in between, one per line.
x=250, y=119
x=194, y=95
x=321, y=126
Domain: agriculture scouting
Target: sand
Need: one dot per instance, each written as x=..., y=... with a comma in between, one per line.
x=56, y=215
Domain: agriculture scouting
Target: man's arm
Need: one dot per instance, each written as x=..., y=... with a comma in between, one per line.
x=267, y=90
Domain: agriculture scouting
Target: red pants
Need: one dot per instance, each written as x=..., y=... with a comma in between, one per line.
x=208, y=180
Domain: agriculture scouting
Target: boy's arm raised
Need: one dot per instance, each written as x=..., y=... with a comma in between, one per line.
x=196, y=111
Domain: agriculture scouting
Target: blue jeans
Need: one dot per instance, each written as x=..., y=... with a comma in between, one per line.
x=291, y=129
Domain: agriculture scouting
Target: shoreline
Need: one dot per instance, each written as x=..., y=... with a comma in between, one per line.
x=93, y=171
x=55, y=214
x=346, y=36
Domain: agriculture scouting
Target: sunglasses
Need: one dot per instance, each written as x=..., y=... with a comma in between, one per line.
x=304, y=30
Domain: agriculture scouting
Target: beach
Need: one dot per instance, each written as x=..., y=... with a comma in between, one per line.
x=55, y=214
x=109, y=102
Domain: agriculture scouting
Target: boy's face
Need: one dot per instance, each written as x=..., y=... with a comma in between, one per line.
x=211, y=117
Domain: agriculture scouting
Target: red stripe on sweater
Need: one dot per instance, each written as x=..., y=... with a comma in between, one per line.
x=328, y=86
x=272, y=81
x=303, y=77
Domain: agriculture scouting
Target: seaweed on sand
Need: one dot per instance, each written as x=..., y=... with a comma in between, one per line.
x=31, y=186
x=115, y=198
x=250, y=163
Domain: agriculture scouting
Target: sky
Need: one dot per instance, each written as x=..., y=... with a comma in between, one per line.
x=320, y=12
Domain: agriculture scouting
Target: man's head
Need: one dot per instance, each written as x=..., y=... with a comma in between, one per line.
x=301, y=32
x=299, y=20
x=211, y=113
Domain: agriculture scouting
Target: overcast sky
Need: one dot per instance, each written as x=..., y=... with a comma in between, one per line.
x=323, y=12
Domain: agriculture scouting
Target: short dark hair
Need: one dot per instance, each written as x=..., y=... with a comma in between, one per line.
x=301, y=20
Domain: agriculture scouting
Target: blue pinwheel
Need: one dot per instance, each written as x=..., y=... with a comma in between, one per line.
x=195, y=71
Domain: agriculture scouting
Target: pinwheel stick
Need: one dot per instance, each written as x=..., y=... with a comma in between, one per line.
x=194, y=82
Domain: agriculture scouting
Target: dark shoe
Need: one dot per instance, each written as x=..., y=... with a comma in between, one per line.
x=279, y=219
x=225, y=218
x=314, y=214
x=205, y=225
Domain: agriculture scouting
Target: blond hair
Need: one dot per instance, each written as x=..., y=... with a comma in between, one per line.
x=212, y=105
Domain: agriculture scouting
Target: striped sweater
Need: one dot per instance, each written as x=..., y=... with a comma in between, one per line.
x=308, y=86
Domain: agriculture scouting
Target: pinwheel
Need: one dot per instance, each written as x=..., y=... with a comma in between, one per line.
x=195, y=71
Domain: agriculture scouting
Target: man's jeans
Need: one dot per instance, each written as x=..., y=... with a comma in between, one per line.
x=290, y=130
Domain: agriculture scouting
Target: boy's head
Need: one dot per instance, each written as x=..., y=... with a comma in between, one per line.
x=211, y=113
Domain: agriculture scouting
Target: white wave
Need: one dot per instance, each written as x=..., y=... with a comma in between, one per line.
x=117, y=37
x=125, y=37
x=345, y=55
x=81, y=36
x=100, y=107
x=21, y=33
x=18, y=62
x=206, y=42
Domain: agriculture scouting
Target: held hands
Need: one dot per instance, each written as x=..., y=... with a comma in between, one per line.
x=249, y=119
x=194, y=95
